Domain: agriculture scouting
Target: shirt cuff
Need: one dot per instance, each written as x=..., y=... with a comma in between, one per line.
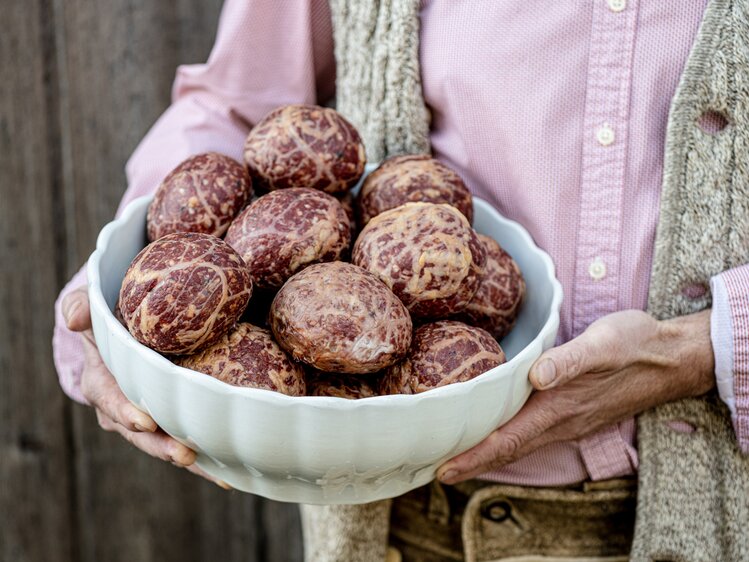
x=729, y=333
x=609, y=453
x=67, y=346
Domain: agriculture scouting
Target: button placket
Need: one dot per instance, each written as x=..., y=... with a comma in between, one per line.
x=596, y=289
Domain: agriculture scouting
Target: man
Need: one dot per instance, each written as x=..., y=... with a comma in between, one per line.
x=557, y=115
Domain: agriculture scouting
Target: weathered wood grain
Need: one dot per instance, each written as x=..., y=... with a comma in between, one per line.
x=120, y=60
x=35, y=479
x=81, y=84
x=282, y=536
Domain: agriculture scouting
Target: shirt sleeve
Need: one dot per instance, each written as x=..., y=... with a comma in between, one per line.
x=267, y=53
x=729, y=332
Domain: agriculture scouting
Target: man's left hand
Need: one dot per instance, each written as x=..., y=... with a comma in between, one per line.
x=623, y=364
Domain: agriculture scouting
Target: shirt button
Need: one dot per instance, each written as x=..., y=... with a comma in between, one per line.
x=597, y=269
x=617, y=5
x=605, y=134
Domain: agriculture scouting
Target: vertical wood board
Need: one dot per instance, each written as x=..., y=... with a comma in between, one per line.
x=35, y=479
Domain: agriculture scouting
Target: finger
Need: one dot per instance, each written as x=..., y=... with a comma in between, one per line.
x=102, y=391
x=159, y=445
x=485, y=467
x=76, y=311
x=195, y=469
x=521, y=435
x=155, y=449
x=108, y=424
x=594, y=350
x=104, y=421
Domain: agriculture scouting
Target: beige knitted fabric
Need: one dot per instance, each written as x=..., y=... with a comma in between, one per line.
x=704, y=219
x=693, y=500
x=346, y=533
x=693, y=503
x=378, y=80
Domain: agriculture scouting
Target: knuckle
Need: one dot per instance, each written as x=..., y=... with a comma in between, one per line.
x=93, y=358
x=87, y=387
x=554, y=411
x=162, y=453
x=508, y=446
x=573, y=360
x=569, y=410
x=497, y=461
x=109, y=408
x=103, y=420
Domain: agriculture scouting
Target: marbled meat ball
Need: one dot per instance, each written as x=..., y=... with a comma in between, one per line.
x=183, y=292
x=427, y=254
x=340, y=385
x=248, y=356
x=284, y=231
x=442, y=353
x=305, y=146
x=411, y=178
x=496, y=304
x=203, y=194
x=339, y=318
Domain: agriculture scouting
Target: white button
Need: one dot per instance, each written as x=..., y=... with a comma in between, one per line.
x=605, y=134
x=597, y=269
x=617, y=5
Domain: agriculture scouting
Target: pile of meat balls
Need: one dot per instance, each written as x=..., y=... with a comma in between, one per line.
x=306, y=290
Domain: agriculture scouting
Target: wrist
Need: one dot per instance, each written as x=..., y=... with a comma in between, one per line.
x=687, y=341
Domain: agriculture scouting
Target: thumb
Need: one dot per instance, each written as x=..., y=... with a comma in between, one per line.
x=76, y=311
x=565, y=362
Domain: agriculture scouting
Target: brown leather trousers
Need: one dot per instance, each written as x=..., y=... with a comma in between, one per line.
x=479, y=521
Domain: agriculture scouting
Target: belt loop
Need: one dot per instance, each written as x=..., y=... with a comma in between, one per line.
x=438, y=508
x=472, y=521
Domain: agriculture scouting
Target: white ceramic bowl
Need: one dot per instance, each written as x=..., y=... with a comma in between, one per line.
x=322, y=450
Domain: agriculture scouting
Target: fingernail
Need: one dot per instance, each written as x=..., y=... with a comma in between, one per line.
x=182, y=455
x=69, y=309
x=448, y=476
x=546, y=372
x=175, y=462
x=143, y=424
x=222, y=484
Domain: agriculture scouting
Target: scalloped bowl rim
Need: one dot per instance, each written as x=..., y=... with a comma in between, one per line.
x=211, y=384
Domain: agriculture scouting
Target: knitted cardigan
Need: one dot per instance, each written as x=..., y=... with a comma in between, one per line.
x=693, y=498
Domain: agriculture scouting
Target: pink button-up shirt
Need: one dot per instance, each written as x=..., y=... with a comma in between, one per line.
x=555, y=112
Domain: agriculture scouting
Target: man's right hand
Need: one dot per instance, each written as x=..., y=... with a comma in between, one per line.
x=114, y=411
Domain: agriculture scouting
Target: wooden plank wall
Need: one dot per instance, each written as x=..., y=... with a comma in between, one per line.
x=80, y=83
